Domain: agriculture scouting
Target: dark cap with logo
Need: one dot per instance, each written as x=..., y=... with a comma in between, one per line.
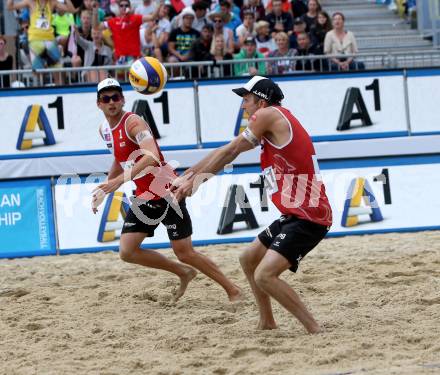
x=262, y=87
x=250, y=40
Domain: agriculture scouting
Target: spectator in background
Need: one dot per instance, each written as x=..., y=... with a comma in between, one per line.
x=163, y=30
x=319, y=30
x=219, y=53
x=88, y=5
x=247, y=28
x=146, y=8
x=85, y=28
x=282, y=66
x=305, y=48
x=219, y=20
x=299, y=7
x=182, y=38
x=23, y=44
x=96, y=53
x=249, y=51
x=125, y=31
x=279, y=20
x=201, y=19
x=150, y=45
x=341, y=42
x=200, y=50
x=42, y=45
x=62, y=23
x=286, y=6
x=265, y=42
x=299, y=27
x=313, y=7
x=6, y=62
x=256, y=7
x=228, y=6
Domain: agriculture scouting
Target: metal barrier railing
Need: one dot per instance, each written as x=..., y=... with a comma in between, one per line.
x=223, y=69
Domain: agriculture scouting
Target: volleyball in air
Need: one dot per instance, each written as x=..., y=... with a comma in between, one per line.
x=147, y=75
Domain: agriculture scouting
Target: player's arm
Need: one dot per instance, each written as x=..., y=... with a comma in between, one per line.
x=218, y=159
x=18, y=5
x=115, y=170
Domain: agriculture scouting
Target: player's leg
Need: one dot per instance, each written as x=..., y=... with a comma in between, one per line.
x=130, y=251
x=179, y=228
x=185, y=253
x=249, y=260
x=294, y=240
x=267, y=278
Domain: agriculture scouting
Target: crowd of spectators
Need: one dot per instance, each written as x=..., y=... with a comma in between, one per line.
x=87, y=33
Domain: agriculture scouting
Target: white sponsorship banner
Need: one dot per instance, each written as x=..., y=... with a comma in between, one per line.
x=424, y=99
x=324, y=105
x=69, y=119
x=365, y=199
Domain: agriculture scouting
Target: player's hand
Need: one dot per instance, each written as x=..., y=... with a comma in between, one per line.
x=186, y=189
x=112, y=185
x=98, y=197
x=181, y=185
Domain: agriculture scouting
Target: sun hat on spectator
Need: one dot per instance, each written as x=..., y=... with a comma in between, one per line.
x=215, y=14
x=188, y=11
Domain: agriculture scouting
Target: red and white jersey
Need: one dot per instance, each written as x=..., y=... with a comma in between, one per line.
x=149, y=186
x=292, y=175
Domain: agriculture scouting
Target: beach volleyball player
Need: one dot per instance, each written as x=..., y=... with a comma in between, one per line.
x=137, y=157
x=292, y=178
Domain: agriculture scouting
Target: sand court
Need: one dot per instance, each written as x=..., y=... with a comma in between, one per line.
x=377, y=297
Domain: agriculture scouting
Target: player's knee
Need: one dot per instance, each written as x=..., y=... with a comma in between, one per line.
x=263, y=278
x=126, y=254
x=245, y=260
x=184, y=253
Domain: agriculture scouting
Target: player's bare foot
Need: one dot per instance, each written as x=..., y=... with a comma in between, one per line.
x=184, y=281
x=236, y=295
x=315, y=329
x=266, y=325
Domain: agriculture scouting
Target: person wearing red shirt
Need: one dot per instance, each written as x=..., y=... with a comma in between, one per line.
x=138, y=158
x=292, y=179
x=125, y=31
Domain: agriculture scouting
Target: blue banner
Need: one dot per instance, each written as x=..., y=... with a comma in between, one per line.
x=26, y=219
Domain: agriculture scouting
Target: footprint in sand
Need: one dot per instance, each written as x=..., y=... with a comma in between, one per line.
x=430, y=301
x=33, y=326
x=9, y=292
x=145, y=296
x=239, y=353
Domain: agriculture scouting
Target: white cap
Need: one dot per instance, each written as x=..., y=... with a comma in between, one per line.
x=188, y=11
x=109, y=83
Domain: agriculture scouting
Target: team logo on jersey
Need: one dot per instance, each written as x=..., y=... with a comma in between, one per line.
x=113, y=216
x=360, y=201
x=35, y=126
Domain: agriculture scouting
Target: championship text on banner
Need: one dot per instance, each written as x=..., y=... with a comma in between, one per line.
x=67, y=120
x=333, y=107
x=234, y=207
x=26, y=219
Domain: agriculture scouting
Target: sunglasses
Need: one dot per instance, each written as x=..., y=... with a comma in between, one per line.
x=218, y=21
x=106, y=98
x=124, y=6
